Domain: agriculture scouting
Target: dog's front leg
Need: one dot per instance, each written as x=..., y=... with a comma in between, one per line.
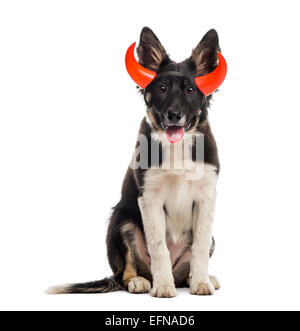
x=155, y=230
x=200, y=281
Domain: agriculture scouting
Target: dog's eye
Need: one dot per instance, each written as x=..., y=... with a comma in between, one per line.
x=190, y=90
x=162, y=88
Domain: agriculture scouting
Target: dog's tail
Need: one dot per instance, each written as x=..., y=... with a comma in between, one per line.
x=101, y=286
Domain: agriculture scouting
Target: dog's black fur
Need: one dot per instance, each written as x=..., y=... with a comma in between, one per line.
x=173, y=90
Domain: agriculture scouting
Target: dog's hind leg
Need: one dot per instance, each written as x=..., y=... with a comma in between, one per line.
x=130, y=271
x=131, y=280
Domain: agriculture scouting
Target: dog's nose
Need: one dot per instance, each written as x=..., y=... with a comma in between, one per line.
x=174, y=116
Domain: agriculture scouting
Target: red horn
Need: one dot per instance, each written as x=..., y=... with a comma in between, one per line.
x=209, y=83
x=142, y=76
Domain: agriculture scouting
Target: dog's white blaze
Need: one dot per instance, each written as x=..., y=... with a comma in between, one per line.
x=169, y=188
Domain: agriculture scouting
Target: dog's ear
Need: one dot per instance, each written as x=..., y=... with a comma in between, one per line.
x=205, y=55
x=150, y=51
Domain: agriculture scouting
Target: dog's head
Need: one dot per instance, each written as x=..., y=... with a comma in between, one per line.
x=174, y=103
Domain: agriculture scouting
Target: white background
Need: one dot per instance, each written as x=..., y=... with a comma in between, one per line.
x=69, y=116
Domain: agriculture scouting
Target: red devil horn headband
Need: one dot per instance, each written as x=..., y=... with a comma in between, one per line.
x=207, y=84
x=142, y=76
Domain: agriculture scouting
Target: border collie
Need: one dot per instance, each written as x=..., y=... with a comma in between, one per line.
x=160, y=233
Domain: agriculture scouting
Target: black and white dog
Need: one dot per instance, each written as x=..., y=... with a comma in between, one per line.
x=160, y=233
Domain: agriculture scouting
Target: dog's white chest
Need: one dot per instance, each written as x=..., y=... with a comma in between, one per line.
x=178, y=206
x=171, y=190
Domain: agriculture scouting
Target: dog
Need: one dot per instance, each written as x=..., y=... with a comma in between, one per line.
x=160, y=233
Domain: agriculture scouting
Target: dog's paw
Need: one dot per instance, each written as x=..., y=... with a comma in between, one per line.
x=215, y=282
x=139, y=285
x=203, y=288
x=164, y=291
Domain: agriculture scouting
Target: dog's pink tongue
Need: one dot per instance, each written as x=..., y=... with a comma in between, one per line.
x=175, y=134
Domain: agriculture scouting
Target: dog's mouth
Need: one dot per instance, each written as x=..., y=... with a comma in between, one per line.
x=174, y=133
